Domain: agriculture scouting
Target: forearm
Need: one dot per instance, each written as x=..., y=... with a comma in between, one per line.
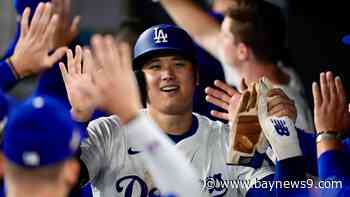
x=202, y=27
x=327, y=145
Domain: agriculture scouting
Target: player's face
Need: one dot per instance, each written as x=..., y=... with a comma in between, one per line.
x=228, y=50
x=170, y=84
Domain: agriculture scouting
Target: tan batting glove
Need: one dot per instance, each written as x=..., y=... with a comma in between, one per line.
x=246, y=136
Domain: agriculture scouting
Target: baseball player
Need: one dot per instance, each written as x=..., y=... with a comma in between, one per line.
x=249, y=44
x=112, y=154
x=112, y=172
x=39, y=158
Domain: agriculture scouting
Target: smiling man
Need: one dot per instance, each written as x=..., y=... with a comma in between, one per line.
x=113, y=155
x=166, y=67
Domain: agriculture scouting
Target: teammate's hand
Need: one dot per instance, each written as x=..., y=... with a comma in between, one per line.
x=279, y=104
x=227, y=98
x=77, y=77
x=31, y=54
x=115, y=83
x=331, y=110
x=223, y=96
x=67, y=29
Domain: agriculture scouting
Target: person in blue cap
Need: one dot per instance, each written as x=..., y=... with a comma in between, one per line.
x=40, y=158
x=166, y=65
x=160, y=163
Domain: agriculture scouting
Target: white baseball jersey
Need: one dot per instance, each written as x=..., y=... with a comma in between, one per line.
x=116, y=169
x=295, y=91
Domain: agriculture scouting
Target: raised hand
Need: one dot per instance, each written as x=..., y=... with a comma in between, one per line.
x=331, y=110
x=31, y=55
x=227, y=98
x=77, y=78
x=67, y=29
x=115, y=83
x=224, y=97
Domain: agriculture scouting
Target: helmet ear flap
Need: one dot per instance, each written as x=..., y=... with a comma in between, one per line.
x=141, y=81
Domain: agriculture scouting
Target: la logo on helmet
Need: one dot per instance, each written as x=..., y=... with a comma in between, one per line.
x=160, y=36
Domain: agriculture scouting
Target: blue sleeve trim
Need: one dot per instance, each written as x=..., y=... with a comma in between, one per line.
x=307, y=143
x=7, y=79
x=332, y=164
x=291, y=169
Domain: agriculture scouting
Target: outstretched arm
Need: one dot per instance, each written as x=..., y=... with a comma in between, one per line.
x=202, y=28
x=32, y=52
x=331, y=119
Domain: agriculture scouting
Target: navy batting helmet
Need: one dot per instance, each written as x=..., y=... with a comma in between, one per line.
x=162, y=39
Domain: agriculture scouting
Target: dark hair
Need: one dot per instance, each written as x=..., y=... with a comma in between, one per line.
x=261, y=26
x=129, y=30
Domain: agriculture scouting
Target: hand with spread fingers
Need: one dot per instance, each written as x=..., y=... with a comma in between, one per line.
x=67, y=29
x=245, y=135
x=115, y=83
x=225, y=97
x=331, y=110
x=31, y=55
x=110, y=87
x=76, y=77
x=331, y=113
